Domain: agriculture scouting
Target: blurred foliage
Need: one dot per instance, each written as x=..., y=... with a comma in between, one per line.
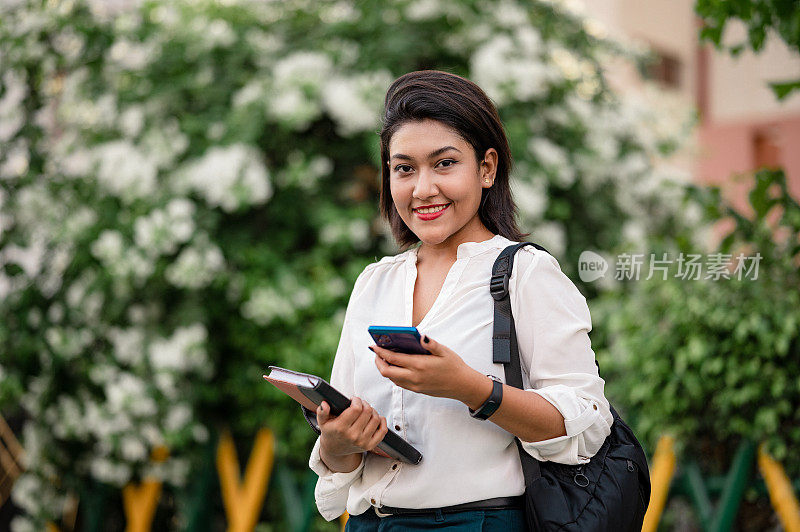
x=761, y=19
x=712, y=362
x=189, y=190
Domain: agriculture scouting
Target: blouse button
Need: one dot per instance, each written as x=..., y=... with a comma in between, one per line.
x=394, y=467
x=397, y=427
x=594, y=406
x=372, y=501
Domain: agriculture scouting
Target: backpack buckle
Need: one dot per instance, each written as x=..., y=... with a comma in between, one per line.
x=498, y=286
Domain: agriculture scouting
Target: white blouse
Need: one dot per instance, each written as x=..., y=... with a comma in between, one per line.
x=465, y=459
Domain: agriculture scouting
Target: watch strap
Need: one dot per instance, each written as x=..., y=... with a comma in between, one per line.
x=491, y=404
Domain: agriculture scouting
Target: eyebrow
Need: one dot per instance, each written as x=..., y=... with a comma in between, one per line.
x=430, y=155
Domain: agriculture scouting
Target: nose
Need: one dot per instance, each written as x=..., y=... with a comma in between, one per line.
x=425, y=186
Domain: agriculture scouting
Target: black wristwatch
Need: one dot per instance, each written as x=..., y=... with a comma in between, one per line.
x=492, y=403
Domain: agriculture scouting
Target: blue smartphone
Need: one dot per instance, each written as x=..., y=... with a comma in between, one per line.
x=399, y=339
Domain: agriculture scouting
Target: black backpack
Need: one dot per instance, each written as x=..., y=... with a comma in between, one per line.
x=612, y=491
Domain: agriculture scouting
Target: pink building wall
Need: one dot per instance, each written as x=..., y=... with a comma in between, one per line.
x=726, y=150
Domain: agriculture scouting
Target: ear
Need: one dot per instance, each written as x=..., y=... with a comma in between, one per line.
x=488, y=168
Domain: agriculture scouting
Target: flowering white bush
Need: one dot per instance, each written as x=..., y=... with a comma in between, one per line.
x=188, y=188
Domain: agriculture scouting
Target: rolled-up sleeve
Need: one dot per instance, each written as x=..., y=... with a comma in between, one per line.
x=553, y=323
x=332, y=488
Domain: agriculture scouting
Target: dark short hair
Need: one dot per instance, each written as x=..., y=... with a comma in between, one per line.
x=463, y=106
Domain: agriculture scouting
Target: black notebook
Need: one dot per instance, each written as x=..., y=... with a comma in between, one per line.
x=310, y=391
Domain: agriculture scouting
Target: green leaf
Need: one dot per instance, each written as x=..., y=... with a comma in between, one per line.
x=784, y=88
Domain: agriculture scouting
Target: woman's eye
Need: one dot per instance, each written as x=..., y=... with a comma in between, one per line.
x=447, y=163
x=402, y=168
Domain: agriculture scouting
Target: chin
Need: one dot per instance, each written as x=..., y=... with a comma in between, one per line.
x=431, y=239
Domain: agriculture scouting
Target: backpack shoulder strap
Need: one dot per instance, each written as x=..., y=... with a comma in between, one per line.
x=504, y=338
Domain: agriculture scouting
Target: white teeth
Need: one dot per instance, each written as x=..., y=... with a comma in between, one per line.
x=429, y=210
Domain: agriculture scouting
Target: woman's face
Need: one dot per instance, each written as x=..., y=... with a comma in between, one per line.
x=436, y=183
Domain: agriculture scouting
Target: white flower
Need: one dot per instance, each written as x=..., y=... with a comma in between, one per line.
x=200, y=433
x=163, y=144
x=196, y=266
x=106, y=10
x=569, y=65
x=109, y=246
x=229, y=177
x=503, y=69
x=552, y=236
x=23, y=524
x=184, y=350
x=69, y=44
x=131, y=121
x=124, y=171
x=26, y=493
x=250, y=93
x=341, y=11
x=166, y=14
x=129, y=55
x=77, y=164
x=16, y=161
x=554, y=159
x=294, y=97
x=219, y=33
x=425, y=9
x=265, y=304
x=179, y=416
x=128, y=345
x=634, y=233
x=163, y=230
x=126, y=391
x=355, y=102
x=132, y=448
x=530, y=197
x=105, y=470
x=14, y=91
x=29, y=258
x=510, y=14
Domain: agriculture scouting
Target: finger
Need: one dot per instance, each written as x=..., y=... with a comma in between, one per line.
x=352, y=412
x=370, y=428
x=403, y=360
x=323, y=413
x=378, y=436
x=363, y=419
x=396, y=374
x=430, y=344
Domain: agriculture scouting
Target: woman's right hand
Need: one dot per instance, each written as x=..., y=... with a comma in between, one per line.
x=346, y=436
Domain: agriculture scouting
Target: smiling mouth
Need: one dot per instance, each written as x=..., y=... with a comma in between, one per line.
x=431, y=212
x=432, y=209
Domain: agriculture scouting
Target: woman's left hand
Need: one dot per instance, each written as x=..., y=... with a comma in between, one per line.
x=440, y=374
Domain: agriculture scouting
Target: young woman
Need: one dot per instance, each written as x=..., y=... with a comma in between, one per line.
x=445, y=184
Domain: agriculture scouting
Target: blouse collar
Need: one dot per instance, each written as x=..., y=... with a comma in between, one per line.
x=470, y=249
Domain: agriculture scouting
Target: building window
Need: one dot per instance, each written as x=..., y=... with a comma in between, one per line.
x=766, y=148
x=665, y=69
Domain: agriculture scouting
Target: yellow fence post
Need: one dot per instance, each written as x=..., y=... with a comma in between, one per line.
x=780, y=491
x=661, y=476
x=243, y=500
x=140, y=501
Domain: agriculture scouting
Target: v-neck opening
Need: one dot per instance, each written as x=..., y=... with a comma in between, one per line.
x=463, y=254
x=447, y=287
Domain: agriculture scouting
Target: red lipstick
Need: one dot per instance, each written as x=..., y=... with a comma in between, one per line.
x=431, y=215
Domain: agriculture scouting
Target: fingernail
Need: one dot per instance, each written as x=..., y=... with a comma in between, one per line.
x=370, y=348
x=426, y=339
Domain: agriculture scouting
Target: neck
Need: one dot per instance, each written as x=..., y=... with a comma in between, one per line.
x=448, y=249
